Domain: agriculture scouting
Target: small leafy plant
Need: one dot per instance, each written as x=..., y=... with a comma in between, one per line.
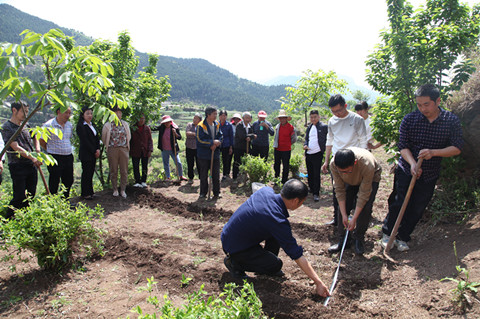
x=256, y=169
x=233, y=302
x=185, y=281
x=53, y=230
x=295, y=163
x=464, y=286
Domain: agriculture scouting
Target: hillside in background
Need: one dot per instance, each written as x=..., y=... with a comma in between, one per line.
x=194, y=80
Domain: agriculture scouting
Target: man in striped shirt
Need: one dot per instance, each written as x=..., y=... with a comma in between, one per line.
x=61, y=150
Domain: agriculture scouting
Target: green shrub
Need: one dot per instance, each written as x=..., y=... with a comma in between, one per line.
x=295, y=163
x=256, y=169
x=233, y=302
x=51, y=228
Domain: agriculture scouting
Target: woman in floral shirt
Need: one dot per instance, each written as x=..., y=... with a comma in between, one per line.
x=116, y=139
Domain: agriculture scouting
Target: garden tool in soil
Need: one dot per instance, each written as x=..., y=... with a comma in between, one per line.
x=402, y=210
x=248, y=146
x=335, y=277
x=210, y=180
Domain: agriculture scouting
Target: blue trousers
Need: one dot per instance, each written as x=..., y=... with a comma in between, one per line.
x=166, y=165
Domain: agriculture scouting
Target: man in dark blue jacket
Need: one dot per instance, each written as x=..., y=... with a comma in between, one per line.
x=314, y=147
x=209, y=139
x=227, y=144
x=264, y=217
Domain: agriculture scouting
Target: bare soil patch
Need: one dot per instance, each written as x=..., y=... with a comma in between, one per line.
x=165, y=231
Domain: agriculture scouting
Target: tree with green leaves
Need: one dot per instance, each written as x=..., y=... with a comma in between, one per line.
x=68, y=69
x=421, y=46
x=313, y=89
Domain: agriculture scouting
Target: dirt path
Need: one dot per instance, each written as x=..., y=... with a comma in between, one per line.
x=165, y=232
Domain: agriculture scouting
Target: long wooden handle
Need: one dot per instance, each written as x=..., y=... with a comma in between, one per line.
x=175, y=152
x=44, y=181
x=210, y=179
x=404, y=207
x=248, y=146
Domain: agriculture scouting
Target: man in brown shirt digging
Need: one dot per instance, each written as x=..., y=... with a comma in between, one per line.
x=356, y=176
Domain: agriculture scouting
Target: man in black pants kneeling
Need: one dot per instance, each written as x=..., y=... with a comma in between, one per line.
x=263, y=217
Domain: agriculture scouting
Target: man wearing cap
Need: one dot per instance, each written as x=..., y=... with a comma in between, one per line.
x=191, y=146
x=285, y=136
x=262, y=128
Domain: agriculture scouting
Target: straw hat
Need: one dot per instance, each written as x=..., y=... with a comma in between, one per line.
x=282, y=113
x=167, y=118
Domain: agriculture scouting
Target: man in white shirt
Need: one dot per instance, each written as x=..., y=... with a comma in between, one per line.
x=345, y=129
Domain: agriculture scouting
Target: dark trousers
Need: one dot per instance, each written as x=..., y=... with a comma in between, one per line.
x=262, y=260
x=136, y=169
x=364, y=218
x=282, y=157
x=314, y=165
x=259, y=150
x=62, y=171
x=226, y=160
x=237, y=160
x=421, y=195
x=192, y=160
x=203, y=168
x=24, y=178
x=88, y=169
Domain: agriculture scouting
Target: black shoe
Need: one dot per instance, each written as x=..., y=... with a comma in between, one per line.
x=316, y=198
x=333, y=222
x=337, y=247
x=359, y=247
x=202, y=196
x=234, y=272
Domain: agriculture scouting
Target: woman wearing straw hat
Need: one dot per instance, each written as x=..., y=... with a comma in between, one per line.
x=285, y=136
x=168, y=134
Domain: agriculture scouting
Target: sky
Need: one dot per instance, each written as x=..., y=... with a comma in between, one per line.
x=254, y=39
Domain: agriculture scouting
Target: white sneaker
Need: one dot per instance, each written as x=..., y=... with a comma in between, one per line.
x=124, y=195
x=115, y=193
x=144, y=184
x=137, y=185
x=401, y=245
x=385, y=240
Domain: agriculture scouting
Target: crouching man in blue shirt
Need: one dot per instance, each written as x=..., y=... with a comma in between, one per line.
x=263, y=217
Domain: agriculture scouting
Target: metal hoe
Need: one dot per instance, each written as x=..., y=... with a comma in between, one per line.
x=332, y=287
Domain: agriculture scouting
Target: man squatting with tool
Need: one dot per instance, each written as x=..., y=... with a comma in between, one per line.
x=430, y=133
x=356, y=175
x=264, y=217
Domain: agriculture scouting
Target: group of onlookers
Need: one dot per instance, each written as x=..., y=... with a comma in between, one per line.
x=429, y=133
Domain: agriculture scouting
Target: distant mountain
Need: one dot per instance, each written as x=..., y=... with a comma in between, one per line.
x=352, y=86
x=195, y=80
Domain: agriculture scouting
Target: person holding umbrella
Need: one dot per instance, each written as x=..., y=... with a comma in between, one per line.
x=209, y=140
